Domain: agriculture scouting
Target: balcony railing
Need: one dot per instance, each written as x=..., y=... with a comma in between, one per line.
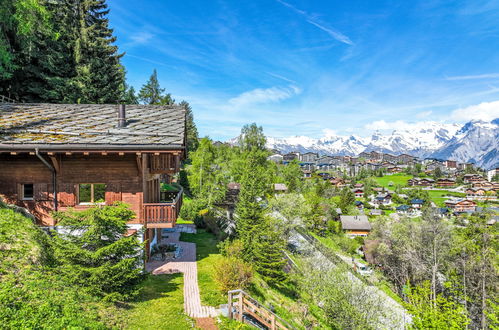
x=162, y=215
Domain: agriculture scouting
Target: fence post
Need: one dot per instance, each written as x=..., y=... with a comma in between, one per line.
x=230, y=306
x=240, y=303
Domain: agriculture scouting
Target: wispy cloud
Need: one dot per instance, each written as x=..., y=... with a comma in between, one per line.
x=484, y=111
x=383, y=125
x=267, y=95
x=281, y=77
x=424, y=114
x=141, y=37
x=471, y=77
x=318, y=24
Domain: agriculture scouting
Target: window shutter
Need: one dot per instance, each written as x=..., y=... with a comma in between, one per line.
x=113, y=193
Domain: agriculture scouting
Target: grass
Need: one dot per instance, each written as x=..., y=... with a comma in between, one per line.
x=207, y=255
x=159, y=306
x=440, y=196
x=396, y=179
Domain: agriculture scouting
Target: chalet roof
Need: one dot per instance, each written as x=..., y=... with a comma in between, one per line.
x=84, y=125
x=417, y=201
x=403, y=207
x=355, y=222
x=280, y=187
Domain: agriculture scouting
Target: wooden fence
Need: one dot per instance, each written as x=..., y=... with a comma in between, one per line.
x=246, y=309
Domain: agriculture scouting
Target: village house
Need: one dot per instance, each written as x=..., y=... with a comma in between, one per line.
x=472, y=178
x=417, y=203
x=406, y=159
x=290, y=156
x=355, y=225
x=486, y=185
x=387, y=158
x=480, y=193
x=59, y=156
x=383, y=199
x=421, y=182
x=358, y=192
x=276, y=158
x=309, y=157
x=403, y=209
x=359, y=205
x=280, y=188
x=445, y=182
x=492, y=173
x=338, y=182
x=461, y=205
x=394, y=169
x=451, y=164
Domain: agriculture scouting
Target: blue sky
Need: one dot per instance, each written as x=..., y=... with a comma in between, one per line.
x=316, y=67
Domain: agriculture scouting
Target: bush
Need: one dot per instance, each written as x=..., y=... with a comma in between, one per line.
x=232, y=273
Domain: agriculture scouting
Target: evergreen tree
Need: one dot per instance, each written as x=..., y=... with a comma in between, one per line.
x=99, y=74
x=268, y=250
x=152, y=93
x=190, y=128
x=255, y=182
x=96, y=254
x=129, y=96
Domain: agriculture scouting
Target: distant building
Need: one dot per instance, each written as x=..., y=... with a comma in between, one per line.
x=309, y=157
x=461, y=205
x=355, y=225
x=276, y=158
x=446, y=182
x=280, y=188
x=290, y=156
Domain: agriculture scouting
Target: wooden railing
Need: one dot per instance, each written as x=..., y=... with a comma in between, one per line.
x=163, y=213
x=5, y=99
x=246, y=309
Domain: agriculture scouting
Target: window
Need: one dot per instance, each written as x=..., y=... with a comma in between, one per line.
x=91, y=193
x=27, y=191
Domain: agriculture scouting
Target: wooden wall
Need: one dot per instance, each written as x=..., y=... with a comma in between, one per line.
x=120, y=173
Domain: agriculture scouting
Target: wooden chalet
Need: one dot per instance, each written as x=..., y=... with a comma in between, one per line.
x=461, y=205
x=446, y=182
x=59, y=156
x=421, y=182
x=473, y=178
x=355, y=225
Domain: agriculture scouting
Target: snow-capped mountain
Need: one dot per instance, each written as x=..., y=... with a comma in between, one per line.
x=476, y=142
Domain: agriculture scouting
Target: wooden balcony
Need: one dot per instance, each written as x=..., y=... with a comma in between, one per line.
x=162, y=215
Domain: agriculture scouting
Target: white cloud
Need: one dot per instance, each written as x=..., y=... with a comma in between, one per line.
x=484, y=111
x=267, y=95
x=470, y=77
x=141, y=37
x=395, y=125
x=424, y=114
x=315, y=22
x=329, y=132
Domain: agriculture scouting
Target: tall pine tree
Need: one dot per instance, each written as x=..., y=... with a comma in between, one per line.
x=152, y=93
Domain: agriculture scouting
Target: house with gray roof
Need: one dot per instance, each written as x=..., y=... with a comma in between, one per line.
x=59, y=156
x=355, y=225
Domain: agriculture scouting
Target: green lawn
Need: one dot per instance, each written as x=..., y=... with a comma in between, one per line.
x=207, y=256
x=440, y=196
x=396, y=179
x=159, y=306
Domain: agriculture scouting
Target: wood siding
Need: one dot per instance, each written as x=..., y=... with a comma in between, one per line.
x=121, y=175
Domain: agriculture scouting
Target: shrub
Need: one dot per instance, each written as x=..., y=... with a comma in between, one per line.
x=232, y=274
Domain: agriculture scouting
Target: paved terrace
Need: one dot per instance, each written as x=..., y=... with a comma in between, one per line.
x=186, y=264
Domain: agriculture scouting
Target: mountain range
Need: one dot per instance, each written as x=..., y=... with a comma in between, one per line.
x=474, y=142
